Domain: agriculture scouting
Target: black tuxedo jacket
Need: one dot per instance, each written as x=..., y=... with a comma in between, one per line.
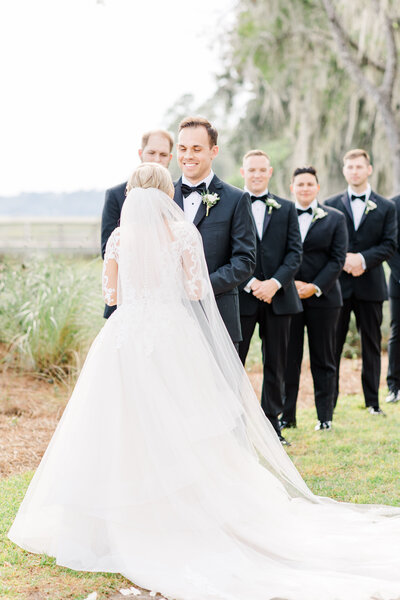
x=229, y=240
x=114, y=200
x=376, y=239
x=279, y=256
x=324, y=253
x=394, y=261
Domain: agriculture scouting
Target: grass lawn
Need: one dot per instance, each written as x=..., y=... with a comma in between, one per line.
x=358, y=461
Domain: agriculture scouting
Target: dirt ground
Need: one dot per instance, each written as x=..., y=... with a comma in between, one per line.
x=30, y=409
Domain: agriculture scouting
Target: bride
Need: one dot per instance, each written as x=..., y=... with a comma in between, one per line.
x=163, y=466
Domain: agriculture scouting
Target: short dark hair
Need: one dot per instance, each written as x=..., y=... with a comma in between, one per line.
x=163, y=132
x=201, y=122
x=301, y=170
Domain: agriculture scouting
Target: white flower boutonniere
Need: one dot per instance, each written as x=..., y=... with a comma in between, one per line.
x=369, y=205
x=271, y=203
x=209, y=200
x=318, y=213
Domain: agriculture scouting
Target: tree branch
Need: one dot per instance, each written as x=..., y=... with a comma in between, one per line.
x=350, y=63
x=391, y=57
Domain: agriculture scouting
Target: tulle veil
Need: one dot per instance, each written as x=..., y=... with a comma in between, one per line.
x=151, y=226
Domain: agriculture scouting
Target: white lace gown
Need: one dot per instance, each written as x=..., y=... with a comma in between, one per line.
x=152, y=472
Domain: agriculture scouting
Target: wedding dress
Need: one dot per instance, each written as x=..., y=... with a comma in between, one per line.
x=164, y=467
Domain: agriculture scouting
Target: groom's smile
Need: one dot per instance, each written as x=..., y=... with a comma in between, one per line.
x=195, y=153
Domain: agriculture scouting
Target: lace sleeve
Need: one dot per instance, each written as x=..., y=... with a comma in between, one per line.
x=110, y=269
x=191, y=255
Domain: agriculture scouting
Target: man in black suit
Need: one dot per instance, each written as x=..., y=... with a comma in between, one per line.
x=156, y=147
x=324, y=236
x=270, y=297
x=372, y=229
x=222, y=214
x=393, y=375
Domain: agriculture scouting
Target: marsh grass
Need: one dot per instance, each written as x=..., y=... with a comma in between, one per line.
x=50, y=312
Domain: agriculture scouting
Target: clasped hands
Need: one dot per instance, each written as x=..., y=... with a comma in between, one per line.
x=353, y=264
x=304, y=290
x=264, y=290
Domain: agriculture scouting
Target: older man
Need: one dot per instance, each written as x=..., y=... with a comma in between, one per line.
x=156, y=147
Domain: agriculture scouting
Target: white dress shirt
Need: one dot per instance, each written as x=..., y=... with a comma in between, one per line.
x=358, y=208
x=192, y=202
x=305, y=219
x=258, y=208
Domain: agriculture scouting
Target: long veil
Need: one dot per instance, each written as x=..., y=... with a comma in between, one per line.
x=153, y=232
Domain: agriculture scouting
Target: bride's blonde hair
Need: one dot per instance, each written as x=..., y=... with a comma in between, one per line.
x=151, y=175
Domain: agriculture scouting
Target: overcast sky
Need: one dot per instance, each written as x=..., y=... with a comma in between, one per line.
x=82, y=79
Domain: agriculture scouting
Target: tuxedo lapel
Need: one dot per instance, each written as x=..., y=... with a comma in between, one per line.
x=313, y=221
x=178, y=193
x=345, y=200
x=267, y=219
x=214, y=188
x=365, y=214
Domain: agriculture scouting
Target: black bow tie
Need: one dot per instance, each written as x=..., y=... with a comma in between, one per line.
x=308, y=210
x=187, y=190
x=353, y=197
x=255, y=198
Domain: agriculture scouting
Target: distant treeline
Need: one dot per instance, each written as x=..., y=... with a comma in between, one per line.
x=79, y=203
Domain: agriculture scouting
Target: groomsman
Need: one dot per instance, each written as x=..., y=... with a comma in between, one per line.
x=372, y=229
x=156, y=147
x=393, y=375
x=270, y=297
x=324, y=236
x=222, y=214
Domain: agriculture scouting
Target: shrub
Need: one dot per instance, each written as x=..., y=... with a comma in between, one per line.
x=50, y=312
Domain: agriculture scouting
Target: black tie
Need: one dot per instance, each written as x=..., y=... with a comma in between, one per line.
x=353, y=197
x=262, y=198
x=187, y=190
x=308, y=210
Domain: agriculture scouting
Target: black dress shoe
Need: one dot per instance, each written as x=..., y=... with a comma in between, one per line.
x=323, y=426
x=287, y=424
x=283, y=441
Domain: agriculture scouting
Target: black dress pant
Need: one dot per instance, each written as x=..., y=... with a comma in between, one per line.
x=369, y=320
x=393, y=375
x=274, y=333
x=321, y=326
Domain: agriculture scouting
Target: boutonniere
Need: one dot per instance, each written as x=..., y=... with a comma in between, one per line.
x=271, y=203
x=209, y=200
x=318, y=213
x=369, y=205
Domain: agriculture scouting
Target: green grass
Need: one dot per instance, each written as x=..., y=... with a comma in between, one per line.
x=23, y=573
x=358, y=461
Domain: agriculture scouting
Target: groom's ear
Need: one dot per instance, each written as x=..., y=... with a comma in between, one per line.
x=214, y=151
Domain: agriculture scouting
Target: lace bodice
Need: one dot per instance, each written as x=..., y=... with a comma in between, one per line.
x=179, y=265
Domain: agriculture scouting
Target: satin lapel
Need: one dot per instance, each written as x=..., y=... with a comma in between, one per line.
x=365, y=214
x=201, y=212
x=267, y=219
x=346, y=202
x=178, y=198
x=215, y=187
x=313, y=221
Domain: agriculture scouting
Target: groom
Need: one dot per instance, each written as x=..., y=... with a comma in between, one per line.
x=222, y=214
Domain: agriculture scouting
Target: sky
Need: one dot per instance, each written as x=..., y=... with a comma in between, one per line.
x=83, y=79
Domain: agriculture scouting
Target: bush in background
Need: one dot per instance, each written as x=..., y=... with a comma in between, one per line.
x=50, y=312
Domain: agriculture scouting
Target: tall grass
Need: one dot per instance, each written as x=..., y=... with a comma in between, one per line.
x=50, y=311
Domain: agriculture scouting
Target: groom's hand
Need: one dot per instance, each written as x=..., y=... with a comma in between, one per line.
x=264, y=290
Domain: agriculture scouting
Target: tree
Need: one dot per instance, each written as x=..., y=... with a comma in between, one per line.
x=313, y=78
